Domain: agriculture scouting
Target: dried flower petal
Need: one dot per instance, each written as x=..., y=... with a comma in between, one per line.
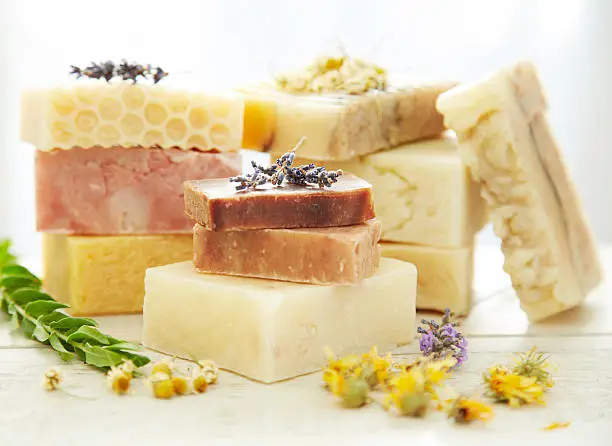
x=209, y=370
x=557, y=425
x=52, y=379
x=465, y=410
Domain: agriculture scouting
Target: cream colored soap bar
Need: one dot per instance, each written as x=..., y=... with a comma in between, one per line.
x=126, y=115
x=339, y=126
x=506, y=141
x=423, y=193
x=270, y=330
x=105, y=274
x=444, y=275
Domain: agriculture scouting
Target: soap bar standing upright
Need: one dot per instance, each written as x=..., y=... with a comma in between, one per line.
x=218, y=206
x=270, y=330
x=506, y=141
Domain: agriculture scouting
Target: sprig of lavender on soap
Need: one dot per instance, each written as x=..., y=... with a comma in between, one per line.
x=126, y=71
x=283, y=170
x=442, y=339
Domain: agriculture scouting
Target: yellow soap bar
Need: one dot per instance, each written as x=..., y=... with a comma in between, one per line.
x=107, y=115
x=444, y=275
x=105, y=274
x=270, y=330
x=423, y=193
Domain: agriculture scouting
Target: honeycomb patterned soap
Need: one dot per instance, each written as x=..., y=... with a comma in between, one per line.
x=130, y=115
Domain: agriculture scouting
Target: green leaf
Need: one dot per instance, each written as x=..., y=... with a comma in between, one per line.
x=28, y=328
x=58, y=346
x=71, y=323
x=18, y=270
x=12, y=283
x=123, y=346
x=88, y=334
x=138, y=360
x=101, y=357
x=42, y=307
x=40, y=333
x=53, y=317
x=80, y=353
x=24, y=296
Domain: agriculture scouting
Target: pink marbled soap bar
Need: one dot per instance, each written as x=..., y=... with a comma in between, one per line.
x=121, y=191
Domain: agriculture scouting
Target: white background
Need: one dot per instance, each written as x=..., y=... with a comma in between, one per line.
x=226, y=43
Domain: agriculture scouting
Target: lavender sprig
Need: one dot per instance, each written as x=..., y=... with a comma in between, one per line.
x=283, y=170
x=127, y=71
x=441, y=340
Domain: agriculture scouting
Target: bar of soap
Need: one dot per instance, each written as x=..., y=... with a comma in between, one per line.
x=125, y=115
x=342, y=255
x=423, y=193
x=270, y=330
x=216, y=205
x=340, y=126
x=121, y=191
x=444, y=275
x=105, y=275
x=506, y=141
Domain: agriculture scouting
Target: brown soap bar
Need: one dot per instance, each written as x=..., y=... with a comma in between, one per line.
x=218, y=206
x=321, y=256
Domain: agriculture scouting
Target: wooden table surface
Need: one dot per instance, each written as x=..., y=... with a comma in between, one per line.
x=238, y=411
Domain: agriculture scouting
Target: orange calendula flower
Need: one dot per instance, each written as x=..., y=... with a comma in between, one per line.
x=465, y=410
x=516, y=390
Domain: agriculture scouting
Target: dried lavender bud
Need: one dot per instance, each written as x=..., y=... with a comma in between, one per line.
x=126, y=71
x=439, y=341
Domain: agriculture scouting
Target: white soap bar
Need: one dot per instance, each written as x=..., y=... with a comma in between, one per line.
x=505, y=139
x=271, y=330
x=444, y=275
x=423, y=193
x=100, y=114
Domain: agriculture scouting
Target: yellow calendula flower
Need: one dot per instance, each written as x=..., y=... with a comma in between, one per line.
x=376, y=369
x=465, y=410
x=407, y=392
x=516, y=390
x=338, y=366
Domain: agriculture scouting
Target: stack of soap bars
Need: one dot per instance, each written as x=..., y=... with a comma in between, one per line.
x=111, y=160
x=279, y=273
x=394, y=138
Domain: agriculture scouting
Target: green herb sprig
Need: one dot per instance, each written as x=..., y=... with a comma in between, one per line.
x=41, y=318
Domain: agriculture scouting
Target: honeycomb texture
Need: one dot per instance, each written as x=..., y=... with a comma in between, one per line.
x=127, y=115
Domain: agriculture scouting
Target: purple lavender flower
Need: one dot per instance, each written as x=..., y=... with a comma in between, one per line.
x=427, y=342
x=449, y=330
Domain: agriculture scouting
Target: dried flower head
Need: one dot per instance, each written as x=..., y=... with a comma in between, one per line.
x=516, y=390
x=164, y=367
x=534, y=364
x=162, y=386
x=335, y=74
x=124, y=70
x=376, y=370
x=52, y=379
x=209, y=370
x=442, y=340
x=338, y=368
x=407, y=392
x=352, y=390
x=283, y=170
x=119, y=379
x=465, y=410
x=181, y=386
x=200, y=384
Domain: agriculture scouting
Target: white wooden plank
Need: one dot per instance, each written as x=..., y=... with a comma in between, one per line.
x=240, y=410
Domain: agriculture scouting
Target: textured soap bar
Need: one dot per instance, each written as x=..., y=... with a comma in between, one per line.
x=105, y=275
x=216, y=205
x=341, y=255
x=121, y=191
x=270, y=330
x=444, y=275
x=506, y=141
x=340, y=126
x=126, y=115
x=423, y=193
